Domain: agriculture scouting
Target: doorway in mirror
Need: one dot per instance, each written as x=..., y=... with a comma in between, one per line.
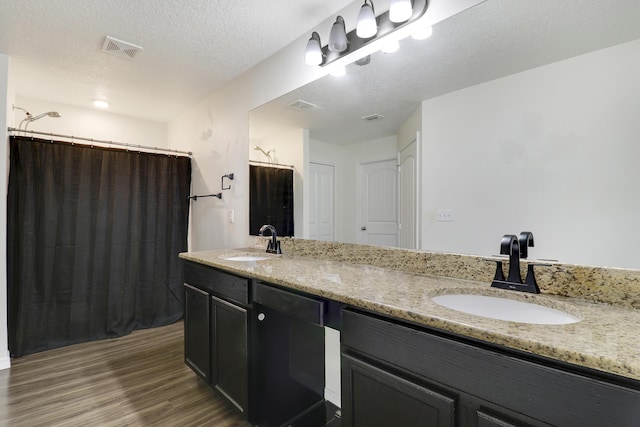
x=408, y=194
x=378, y=203
x=322, y=202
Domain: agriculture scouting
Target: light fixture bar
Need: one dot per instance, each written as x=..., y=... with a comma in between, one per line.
x=358, y=48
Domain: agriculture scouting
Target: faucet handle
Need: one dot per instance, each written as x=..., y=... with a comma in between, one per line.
x=499, y=275
x=530, y=281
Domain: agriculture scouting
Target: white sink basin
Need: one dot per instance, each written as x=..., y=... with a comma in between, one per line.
x=245, y=258
x=505, y=309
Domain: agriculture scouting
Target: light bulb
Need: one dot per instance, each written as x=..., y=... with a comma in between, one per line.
x=367, y=26
x=400, y=10
x=339, y=71
x=423, y=33
x=390, y=47
x=338, y=36
x=313, y=53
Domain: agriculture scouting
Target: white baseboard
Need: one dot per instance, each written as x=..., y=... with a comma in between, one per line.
x=332, y=397
x=5, y=363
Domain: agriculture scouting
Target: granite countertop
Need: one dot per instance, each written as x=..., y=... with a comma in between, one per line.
x=605, y=339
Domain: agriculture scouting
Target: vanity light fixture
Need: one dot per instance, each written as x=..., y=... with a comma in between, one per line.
x=342, y=51
x=367, y=26
x=338, y=36
x=400, y=10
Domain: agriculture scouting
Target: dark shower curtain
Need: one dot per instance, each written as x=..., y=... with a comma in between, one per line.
x=270, y=199
x=93, y=237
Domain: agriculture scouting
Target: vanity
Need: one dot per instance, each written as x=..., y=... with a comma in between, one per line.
x=404, y=359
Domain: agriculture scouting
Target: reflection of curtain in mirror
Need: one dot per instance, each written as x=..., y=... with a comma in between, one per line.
x=271, y=199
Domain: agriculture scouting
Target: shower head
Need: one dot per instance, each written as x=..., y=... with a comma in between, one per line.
x=266, y=153
x=54, y=114
x=31, y=118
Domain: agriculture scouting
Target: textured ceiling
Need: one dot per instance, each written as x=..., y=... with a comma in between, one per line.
x=191, y=48
x=491, y=40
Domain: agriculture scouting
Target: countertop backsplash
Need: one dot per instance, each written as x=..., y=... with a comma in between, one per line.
x=606, y=285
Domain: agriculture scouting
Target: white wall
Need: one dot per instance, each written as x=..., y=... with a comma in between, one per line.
x=91, y=123
x=566, y=133
x=408, y=130
x=217, y=131
x=5, y=94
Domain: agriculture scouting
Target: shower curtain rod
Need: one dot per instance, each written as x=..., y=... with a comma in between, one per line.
x=272, y=164
x=100, y=141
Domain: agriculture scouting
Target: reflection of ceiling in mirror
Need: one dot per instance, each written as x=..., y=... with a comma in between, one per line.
x=491, y=40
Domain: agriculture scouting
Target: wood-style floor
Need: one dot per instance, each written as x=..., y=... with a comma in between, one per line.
x=137, y=380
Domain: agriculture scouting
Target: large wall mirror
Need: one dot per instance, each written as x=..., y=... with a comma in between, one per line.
x=524, y=116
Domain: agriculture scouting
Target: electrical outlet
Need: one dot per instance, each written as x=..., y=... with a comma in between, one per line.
x=444, y=215
x=232, y=216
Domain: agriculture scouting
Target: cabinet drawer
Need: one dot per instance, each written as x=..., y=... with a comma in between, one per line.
x=216, y=282
x=289, y=303
x=550, y=394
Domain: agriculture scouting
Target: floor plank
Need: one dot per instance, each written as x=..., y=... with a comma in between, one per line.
x=137, y=380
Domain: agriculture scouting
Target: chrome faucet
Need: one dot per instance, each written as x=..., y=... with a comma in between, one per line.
x=274, y=245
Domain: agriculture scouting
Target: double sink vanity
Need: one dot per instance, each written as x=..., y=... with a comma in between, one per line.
x=415, y=348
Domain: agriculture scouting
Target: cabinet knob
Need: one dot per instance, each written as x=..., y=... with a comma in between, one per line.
x=261, y=316
x=363, y=228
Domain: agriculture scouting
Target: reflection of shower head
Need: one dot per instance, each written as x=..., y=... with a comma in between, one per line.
x=50, y=114
x=266, y=153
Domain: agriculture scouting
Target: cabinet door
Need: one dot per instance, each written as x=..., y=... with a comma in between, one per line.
x=229, y=351
x=196, y=331
x=373, y=397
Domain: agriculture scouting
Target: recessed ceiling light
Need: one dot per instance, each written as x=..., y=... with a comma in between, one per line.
x=100, y=103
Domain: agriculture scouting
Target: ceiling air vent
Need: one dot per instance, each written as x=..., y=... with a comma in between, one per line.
x=300, y=105
x=372, y=117
x=120, y=48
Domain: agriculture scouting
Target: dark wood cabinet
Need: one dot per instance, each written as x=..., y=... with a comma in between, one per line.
x=446, y=380
x=216, y=331
x=196, y=331
x=264, y=354
x=377, y=398
x=229, y=351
